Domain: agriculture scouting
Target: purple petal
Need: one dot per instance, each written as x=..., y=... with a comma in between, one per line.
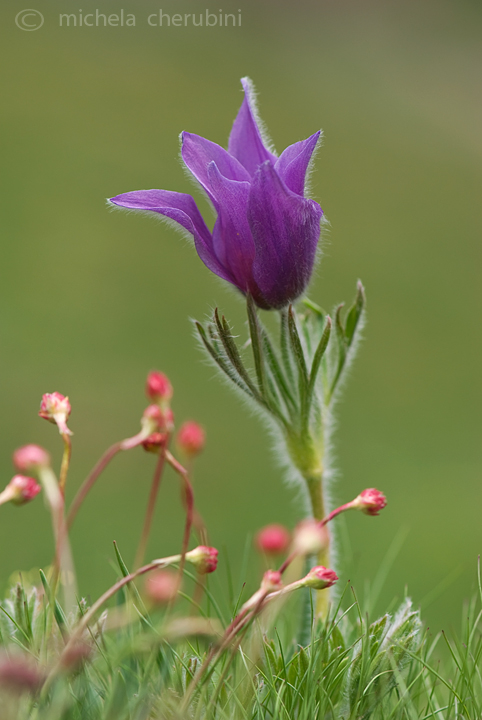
x=232, y=240
x=245, y=142
x=197, y=153
x=286, y=229
x=294, y=161
x=183, y=210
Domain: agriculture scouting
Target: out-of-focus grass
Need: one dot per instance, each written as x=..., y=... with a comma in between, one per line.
x=91, y=300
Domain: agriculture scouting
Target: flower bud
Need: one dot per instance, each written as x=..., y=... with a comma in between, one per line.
x=158, y=387
x=191, y=438
x=162, y=587
x=205, y=559
x=54, y=404
x=310, y=538
x=370, y=501
x=19, y=674
x=319, y=578
x=75, y=656
x=157, y=419
x=30, y=457
x=271, y=581
x=154, y=442
x=273, y=539
x=21, y=489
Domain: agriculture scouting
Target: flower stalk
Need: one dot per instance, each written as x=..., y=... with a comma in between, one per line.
x=293, y=379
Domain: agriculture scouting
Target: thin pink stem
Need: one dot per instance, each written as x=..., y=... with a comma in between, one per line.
x=151, y=503
x=322, y=523
x=88, y=484
x=334, y=513
x=189, y=505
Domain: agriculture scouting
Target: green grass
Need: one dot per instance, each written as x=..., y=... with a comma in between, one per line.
x=142, y=663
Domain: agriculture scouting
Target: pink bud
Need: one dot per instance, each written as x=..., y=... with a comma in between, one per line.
x=30, y=457
x=154, y=442
x=370, y=501
x=271, y=581
x=273, y=539
x=56, y=409
x=19, y=674
x=320, y=577
x=54, y=404
x=204, y=558
x=310, y=537
x=163, y=420
x=158, y=387
x=162, y=587
x=191, y=438
x=22, y=489
x=75, y=656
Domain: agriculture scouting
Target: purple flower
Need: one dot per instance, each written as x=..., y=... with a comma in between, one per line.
x=265, y=236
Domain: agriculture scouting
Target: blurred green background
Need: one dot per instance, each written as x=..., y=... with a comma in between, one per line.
x=91, y=300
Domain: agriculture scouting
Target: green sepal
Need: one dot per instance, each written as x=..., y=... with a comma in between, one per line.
x=279, y=377
x=299, y=356
x=221, y=362
x=231, y=350
x=317, y=358
x=354, y=313
x=257, y=345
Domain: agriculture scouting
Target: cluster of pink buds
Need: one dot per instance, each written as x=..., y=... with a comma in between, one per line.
x=56, y=409
x=204, y=559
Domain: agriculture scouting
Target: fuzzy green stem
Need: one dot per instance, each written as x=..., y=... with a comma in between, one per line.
x=315, y=489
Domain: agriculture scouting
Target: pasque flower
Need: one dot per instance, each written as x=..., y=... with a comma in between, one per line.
x=266, y=233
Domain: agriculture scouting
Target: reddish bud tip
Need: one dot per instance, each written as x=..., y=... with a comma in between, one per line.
x=271, y=581
x=158, y=387
x=310, y=537
x=273, y=539
x=370, y=501
x=154, y=442
x=162, y=587
x=320, y=577
x=22, y=489
x=30, y=457
x=191, y=438
x=204, y=558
